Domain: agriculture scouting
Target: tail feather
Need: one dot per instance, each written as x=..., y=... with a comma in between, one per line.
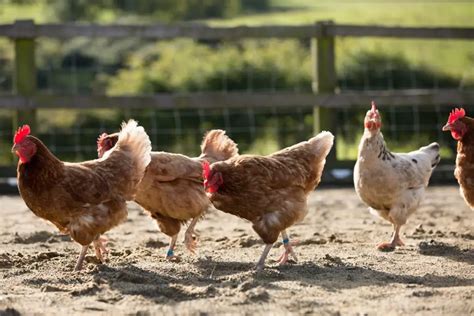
x=135, y=143
x=217, y=146
x=322, y=143
x=134, y=139
x=318, y=147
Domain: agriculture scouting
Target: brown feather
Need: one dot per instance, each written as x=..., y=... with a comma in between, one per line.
x=271, y=191
x=217, y=146
x=84, y=199
x=172, y=189
x=464, y=171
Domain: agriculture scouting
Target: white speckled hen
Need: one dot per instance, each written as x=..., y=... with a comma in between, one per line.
x=391, y=184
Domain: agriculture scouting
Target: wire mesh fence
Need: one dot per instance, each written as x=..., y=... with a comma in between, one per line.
x=257, y=130
x=76, y=67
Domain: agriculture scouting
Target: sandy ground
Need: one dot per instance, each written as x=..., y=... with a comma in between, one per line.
x=339, y=270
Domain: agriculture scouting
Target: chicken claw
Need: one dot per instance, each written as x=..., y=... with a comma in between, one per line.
x=386, y=246
x=191, y=243
x=190, y=237
x=288, y=251
x=101, y=251
x=396, y=241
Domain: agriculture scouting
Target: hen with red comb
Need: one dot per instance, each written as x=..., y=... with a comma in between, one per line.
x=269, y=191
x=391, y=184
x=169, y=176
x=461, y=128
x=84, y=199
x=456, y=124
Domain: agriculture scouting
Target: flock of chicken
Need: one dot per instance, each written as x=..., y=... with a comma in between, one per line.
x=87, y=199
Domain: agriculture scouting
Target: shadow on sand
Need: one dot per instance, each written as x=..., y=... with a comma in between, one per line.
x=440, y=249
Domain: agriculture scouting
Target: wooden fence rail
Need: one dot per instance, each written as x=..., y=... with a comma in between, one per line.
x=323, y=97
x=242, y=99
x=27, y=29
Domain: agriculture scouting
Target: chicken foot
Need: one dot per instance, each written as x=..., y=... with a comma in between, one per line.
x=394, y=242
x=288, y=249
x=101, y=251
x=189, y=236
x=261, y=262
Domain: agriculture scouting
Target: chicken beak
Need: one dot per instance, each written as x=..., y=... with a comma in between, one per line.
x=374, y=107
x=15, y=148
x=446, y=127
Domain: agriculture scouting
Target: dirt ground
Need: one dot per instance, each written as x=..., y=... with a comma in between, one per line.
x=339, y=270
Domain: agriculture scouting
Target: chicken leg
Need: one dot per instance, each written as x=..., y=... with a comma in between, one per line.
x=101, y=251
x=170, y=254
x=261, y=262
x=80, y=260
x=189, y=239
x=394, y=242
x=288, y=249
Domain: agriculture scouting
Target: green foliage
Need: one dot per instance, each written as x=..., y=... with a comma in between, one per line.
x=6, y=65
x=132, y=66
x=372, y=71
x=184, y=66
x=163, y=10
x=20, y=2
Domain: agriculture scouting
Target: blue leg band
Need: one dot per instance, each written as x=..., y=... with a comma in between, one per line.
x=286, y=241
x=170, y=253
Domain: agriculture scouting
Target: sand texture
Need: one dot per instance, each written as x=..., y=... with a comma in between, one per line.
x=339, y=271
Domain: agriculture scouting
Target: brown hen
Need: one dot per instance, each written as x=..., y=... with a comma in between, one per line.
x=172, y=189
x=462, y=130
x=269, y=191
x=84, y=199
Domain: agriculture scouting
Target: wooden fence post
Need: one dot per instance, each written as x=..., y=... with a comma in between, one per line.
x=324, y=80
x=25, y=73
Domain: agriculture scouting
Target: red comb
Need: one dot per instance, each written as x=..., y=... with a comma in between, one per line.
x=21, y=133
x=455, y=115
x=101, y=137
x=374, y=107
x=206, y=169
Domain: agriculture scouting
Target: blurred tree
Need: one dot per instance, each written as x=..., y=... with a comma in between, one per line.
x=163, y=10
x=375, y=71
x=19, y=1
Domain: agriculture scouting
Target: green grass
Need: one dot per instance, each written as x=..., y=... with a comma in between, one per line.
x=453, y=57
x=36, y=11
x=420, y=13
